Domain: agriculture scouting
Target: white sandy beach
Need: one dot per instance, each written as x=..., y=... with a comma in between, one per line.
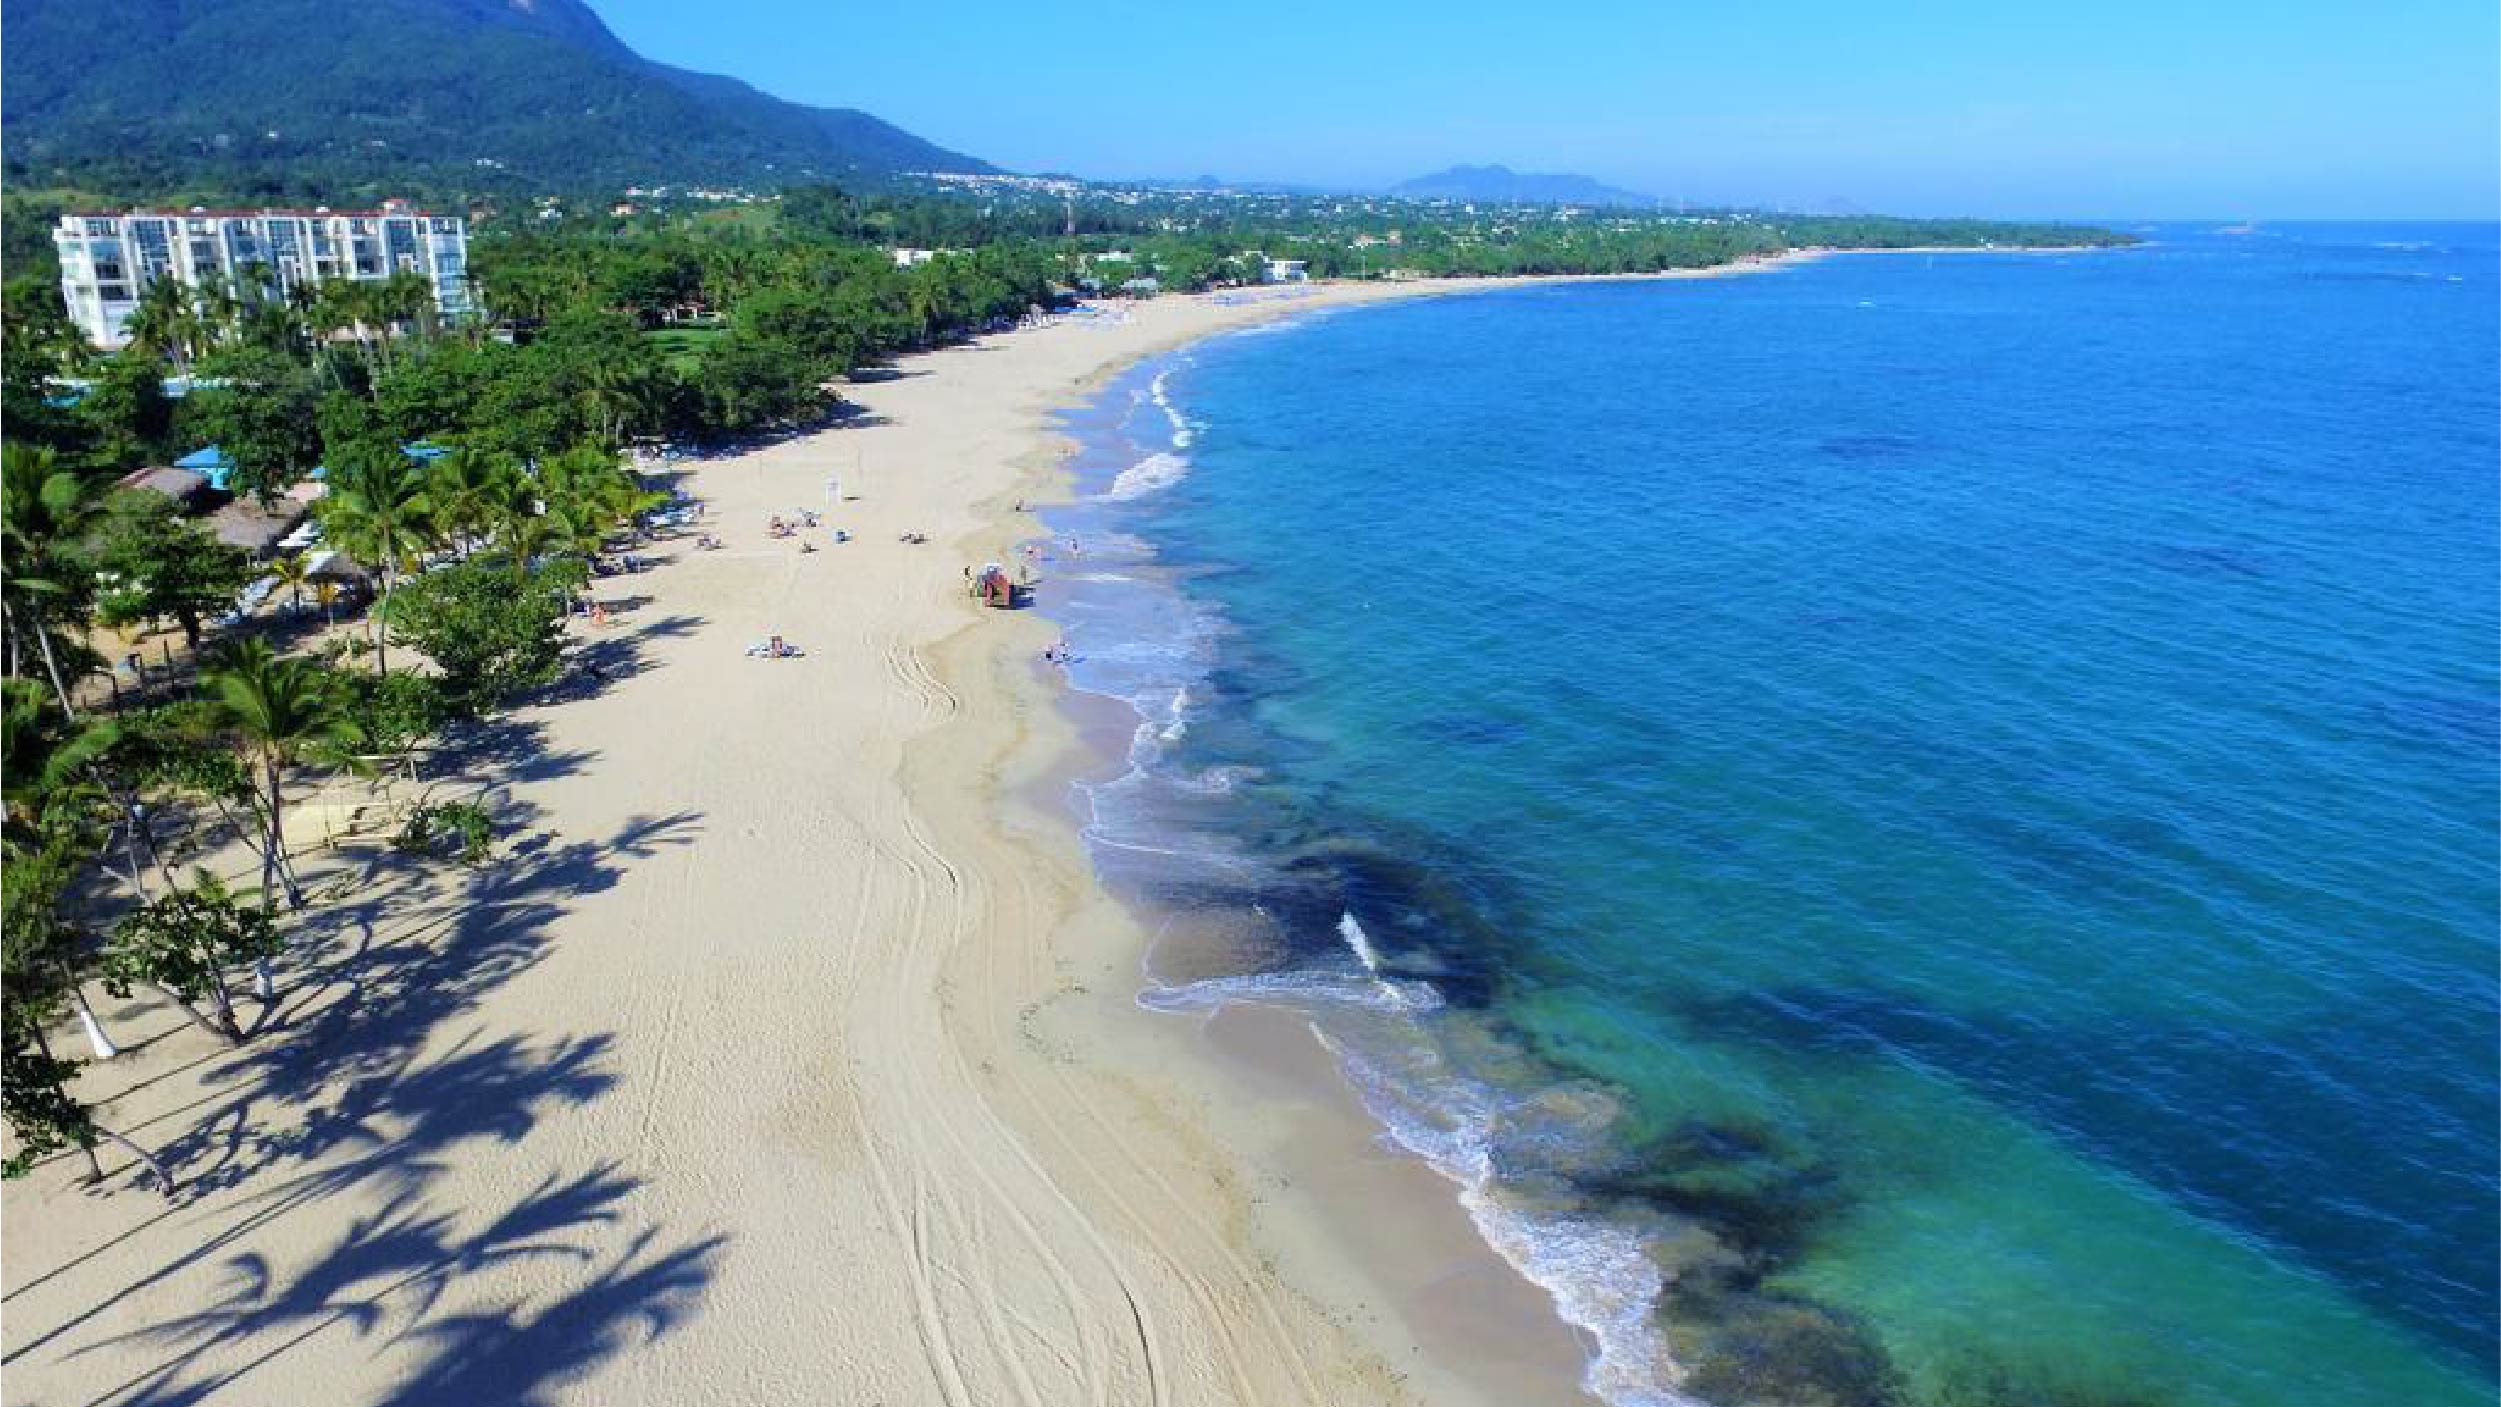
x=787, y=1054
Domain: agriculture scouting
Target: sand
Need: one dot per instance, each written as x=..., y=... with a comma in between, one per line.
x=787, y=1052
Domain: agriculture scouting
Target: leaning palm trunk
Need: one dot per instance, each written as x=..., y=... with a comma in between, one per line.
x=164, y=1179
x=95, y=1169
x=141, y=844
x=52, y=666
x=97, y=1040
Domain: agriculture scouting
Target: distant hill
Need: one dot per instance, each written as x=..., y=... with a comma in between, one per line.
x=289, y=94
x=1501, y=183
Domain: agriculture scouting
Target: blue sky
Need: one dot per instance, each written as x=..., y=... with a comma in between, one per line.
x=2117, y=108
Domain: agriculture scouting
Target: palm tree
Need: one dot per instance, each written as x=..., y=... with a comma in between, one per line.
x=612, y=390
x=408, y=297
x=44, y=512
x=376, y=513
x=165, y=321
x=216, y=315
x=280, y=712
x=461, y=491
x=528, y=527
x=344, y=305
x=294, y=572
x=54, y=818
x=590, y=486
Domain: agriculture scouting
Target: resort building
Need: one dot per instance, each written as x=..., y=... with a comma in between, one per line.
x=108, y=261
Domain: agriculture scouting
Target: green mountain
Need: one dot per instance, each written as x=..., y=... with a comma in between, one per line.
x=311, y=95
x=1501, y=184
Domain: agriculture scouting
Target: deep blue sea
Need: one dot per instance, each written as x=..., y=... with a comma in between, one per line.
x=1909, y=830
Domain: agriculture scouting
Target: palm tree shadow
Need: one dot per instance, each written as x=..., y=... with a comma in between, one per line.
x=385, y=1277
x=379, y=1105
x=517, y=1356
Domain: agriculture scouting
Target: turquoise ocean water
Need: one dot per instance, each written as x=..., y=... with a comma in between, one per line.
x=1909, y=830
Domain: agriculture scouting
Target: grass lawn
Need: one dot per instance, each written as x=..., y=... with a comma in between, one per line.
x=681, y=345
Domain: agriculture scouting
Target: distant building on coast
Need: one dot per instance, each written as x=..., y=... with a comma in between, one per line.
x=108, y=261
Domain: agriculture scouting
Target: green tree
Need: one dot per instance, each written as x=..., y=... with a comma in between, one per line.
x=280, y=713
x=526, y=530
x=461, y=492
x=815, y=325
x=35, y=1093
x=44, y=582
x=184, y=943
x=468, y=824
x=595, y=492
x=294, y=571
x=749, y=383
x=819, y=211
x=58, y=811
x=395, y=712
x=493, y=636
x=264, y=415
x=439, y=391
x=166, y=322
x=37, y=343
x=157, y=564
x=182, y=752
x=376, y=513
x=126, y=410
x=62, y=782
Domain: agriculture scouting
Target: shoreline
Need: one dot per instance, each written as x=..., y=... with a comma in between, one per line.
x=1377, y=1239
x=804, y=1047
x=781, y=1051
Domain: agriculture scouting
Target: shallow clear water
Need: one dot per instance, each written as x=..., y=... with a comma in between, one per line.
x=1910, y=829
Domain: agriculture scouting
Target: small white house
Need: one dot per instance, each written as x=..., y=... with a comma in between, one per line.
x=913, y=258
x=1285, y=271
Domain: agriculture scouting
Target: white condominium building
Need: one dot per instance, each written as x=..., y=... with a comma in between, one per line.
x=108, y=261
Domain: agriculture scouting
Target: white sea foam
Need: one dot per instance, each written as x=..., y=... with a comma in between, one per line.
x=1215, y=781
x=1360, y=941
x=1182, y=431
x=1297, y=990
x=1156, y=471
x=1599, y=1274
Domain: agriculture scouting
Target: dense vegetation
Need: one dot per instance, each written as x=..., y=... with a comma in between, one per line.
x=476, y=470
x=154, y=95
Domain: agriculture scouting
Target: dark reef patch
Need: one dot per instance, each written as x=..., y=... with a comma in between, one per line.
x=1770, y=1350
x=1758, y=1196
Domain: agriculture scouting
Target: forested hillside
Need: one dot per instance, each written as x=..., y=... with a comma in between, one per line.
x=279, y=98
